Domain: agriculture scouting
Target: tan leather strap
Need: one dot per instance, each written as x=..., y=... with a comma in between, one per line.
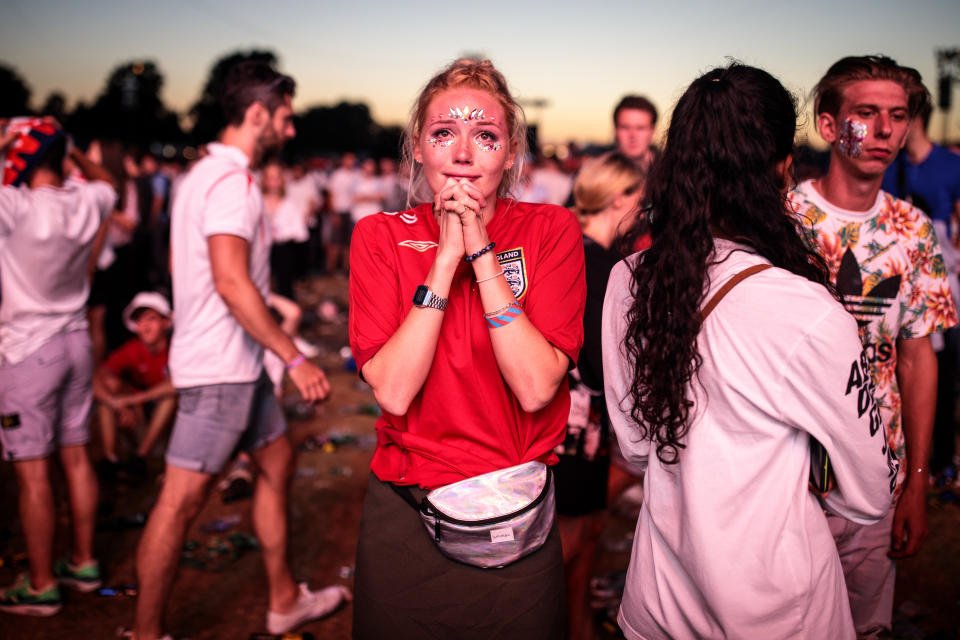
x=730, y=284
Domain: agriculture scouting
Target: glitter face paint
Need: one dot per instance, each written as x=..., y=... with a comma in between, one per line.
x=488, y=146
x=464, y=113
x=852, y=134
x=436, y=143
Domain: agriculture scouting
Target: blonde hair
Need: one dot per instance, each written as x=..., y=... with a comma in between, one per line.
x=470, y=74
x=601, y=180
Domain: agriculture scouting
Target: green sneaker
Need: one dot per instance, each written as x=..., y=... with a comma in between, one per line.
x=20, y=599
x=86, y=579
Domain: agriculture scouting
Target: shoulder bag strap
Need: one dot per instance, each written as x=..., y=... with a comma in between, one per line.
x=730, y=284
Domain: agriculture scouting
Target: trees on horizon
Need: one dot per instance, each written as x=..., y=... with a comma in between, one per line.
x=130, y=109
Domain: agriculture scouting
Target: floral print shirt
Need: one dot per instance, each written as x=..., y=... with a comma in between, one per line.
x=888, y=269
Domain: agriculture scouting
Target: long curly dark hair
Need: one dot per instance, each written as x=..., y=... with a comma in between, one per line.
x=718, y=177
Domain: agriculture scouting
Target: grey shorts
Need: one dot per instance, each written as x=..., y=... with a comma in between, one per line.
x=46, y=398
x=215, y=421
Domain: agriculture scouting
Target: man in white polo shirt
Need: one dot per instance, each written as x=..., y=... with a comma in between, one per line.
x=220, y=244
x=47, y=227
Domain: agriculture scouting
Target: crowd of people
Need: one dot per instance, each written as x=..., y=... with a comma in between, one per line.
x=756, y=344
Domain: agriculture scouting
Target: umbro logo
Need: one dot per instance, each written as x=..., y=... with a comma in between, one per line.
x=864, y=305
x=418, y=245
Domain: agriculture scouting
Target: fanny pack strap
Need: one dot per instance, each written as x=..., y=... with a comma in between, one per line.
x=730, y=284
x=404, y=492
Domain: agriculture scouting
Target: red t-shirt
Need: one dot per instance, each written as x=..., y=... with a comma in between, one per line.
x=465, y=421
x=134, y=362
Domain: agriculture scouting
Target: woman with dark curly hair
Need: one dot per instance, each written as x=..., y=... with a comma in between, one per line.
x=720, y=407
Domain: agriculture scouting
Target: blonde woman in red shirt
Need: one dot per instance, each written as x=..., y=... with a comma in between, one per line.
x=465, y=316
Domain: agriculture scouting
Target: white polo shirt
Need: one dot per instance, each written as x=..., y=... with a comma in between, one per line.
x=218, y=196
x=45, y=239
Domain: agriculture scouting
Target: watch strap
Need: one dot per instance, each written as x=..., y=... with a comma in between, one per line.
x=430, y=299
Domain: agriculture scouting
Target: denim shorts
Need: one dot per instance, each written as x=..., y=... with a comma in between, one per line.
x=215, y=421
x=46, y=398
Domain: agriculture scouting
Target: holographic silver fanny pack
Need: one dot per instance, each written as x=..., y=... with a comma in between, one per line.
x=494, y=519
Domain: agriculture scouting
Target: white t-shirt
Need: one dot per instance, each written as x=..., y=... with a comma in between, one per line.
x=45, y=239
x=340, y=186
x=116, y=235
x=730, y=543
x=289, y=221
x=305, y=190
x=365, y=188
x=218, y=196
x=556, y=184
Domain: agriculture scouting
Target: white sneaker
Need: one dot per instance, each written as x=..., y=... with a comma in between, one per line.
x=311, y=605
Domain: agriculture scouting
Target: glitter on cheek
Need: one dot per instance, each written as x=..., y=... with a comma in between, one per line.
x=488, y=146
x=852, y=135
x=440, y=144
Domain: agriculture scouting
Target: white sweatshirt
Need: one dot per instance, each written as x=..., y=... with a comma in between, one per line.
x=730, y=542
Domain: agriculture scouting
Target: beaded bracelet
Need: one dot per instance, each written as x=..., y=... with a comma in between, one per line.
x=297, y=360
x=499, y=273
x=474, y=256
x=511, y=313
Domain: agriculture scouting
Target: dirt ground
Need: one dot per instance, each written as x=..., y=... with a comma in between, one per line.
x=226, y=600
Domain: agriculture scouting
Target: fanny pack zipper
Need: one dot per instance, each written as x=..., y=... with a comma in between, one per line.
x=431, y=510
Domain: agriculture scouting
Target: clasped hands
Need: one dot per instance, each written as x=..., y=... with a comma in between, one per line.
x=458, y=209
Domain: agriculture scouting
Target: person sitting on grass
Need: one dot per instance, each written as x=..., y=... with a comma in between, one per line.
x=133, y=382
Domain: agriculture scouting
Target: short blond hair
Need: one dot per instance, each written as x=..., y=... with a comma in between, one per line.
x=602, y=179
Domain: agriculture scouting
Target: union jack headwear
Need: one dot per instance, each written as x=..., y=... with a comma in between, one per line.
x=35, y=136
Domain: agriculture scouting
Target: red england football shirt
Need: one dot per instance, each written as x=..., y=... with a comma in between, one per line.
x=465, y=421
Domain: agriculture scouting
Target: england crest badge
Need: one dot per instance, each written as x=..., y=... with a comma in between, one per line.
x=515, y=270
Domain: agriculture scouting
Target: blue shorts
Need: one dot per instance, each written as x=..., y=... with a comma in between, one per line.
x=215, y=421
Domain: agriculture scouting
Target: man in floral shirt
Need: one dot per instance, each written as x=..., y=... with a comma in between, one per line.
x=886, y=264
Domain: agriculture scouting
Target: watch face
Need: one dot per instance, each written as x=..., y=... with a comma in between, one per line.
x=420, y=294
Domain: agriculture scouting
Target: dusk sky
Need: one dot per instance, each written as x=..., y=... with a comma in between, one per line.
x=580, y=56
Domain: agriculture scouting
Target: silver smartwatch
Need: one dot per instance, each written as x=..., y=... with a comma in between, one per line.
x=423, y=297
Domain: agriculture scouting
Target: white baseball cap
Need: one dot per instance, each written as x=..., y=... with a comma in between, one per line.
x=145, y=300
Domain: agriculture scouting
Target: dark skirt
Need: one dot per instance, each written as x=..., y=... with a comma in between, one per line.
x=405, y=588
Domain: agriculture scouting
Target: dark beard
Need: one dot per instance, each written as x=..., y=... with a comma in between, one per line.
x=269, y=142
